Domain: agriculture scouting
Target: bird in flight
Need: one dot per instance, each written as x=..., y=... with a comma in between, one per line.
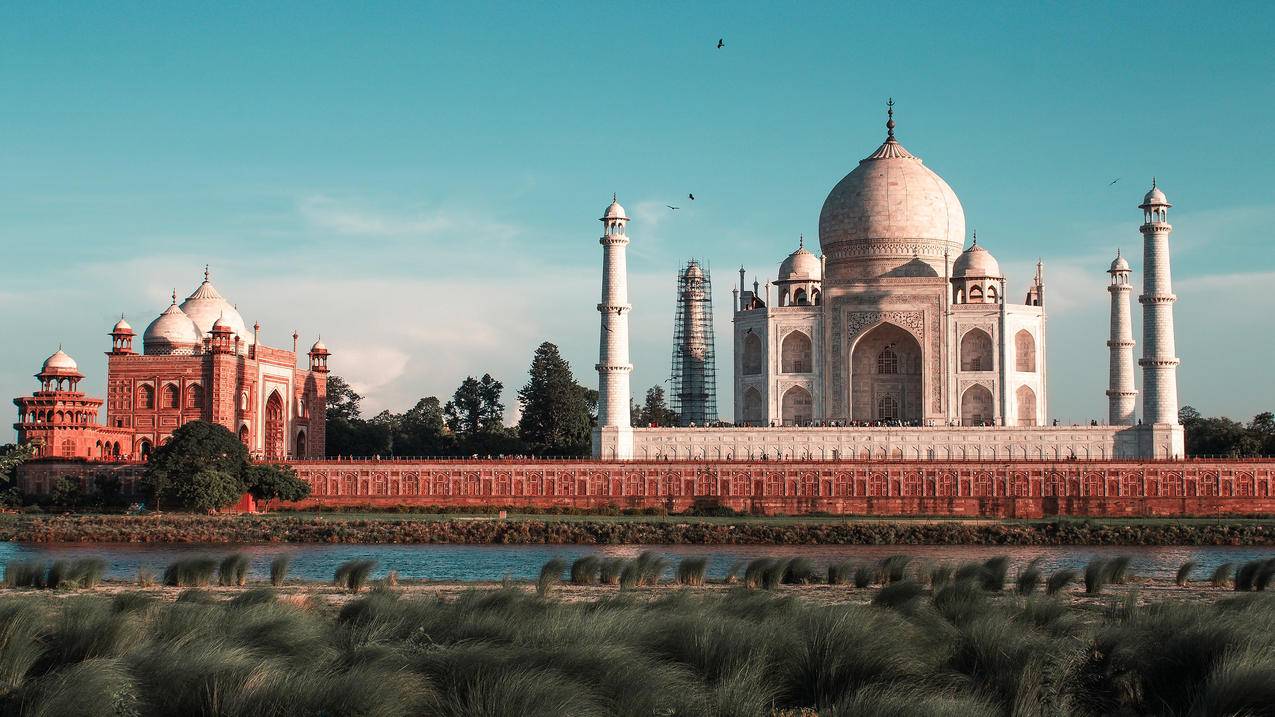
x=692, y=196
x=1117, y=179
x=670, y=206
x=720, y=43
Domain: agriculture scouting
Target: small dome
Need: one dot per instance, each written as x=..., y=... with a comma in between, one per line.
x=1154, y=197
x=615, y=211
x=318, y=347
x=122, y=327
x=221, y=325
x=1119, y=264
x=172, y=331
x=801, y=265
x=59, y=362
x=976, y=262
x=693, y=271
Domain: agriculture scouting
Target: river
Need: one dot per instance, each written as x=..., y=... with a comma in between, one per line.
x=450, y=563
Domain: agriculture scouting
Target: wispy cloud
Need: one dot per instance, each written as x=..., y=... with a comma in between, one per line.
x=352, y=219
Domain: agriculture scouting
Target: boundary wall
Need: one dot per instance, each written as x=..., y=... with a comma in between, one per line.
x=992, y=489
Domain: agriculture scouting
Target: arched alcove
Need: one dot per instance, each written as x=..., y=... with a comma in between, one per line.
x=797, y=406
x=977, y=406
x=1024, y=352
x=976, y=351
x=795, y=353
x=886, y=361
x=753, y=355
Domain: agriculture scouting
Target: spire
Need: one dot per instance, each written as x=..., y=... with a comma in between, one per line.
x=174, y=297
x=205, y=272
x=975, y=231
x=889, y=124
x=801, y=241
x=1153, y=181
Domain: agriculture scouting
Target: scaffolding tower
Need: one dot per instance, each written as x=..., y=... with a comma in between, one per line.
x=694, y=381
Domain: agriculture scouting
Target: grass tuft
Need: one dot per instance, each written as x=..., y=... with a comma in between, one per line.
x=550, y=576
x=1059, y=580
x=1221, y=576
x=691, y=571
x=1029, y=578
x=1184, y=573
x=279, y=569
x=190, y=572
x=233, y=570
x=353, y=574
x=586, y=570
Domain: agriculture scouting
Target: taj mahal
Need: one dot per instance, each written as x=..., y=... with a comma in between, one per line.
x=900, y=341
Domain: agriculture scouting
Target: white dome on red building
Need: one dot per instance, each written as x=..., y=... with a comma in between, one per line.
x=206, y=307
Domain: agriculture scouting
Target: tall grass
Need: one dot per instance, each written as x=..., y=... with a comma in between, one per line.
x=894, y=568
x=610, y=570
x=353, y=574
x=963, y=651
x=1029, y=578
x=279, y=569
x=800, y=571
x=691, y=571
x=864, y=576
x=586, y=570
x=233, y=570
x=1059, y=580
x=190, y=572
x=1221, y=576
x=24, y=574
x=1097, y=574
x=1184, y=573
x=1118, y=569
x=840, y=573
x=550, y=576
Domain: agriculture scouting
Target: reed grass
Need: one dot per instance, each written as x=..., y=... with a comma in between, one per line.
x=353, y=574
x=800, y=571
x=1118, y=569
x=586, y=570
x=841, y=573
x=894, y=568
x=1097, y=574
x=550, y=576
x=864, y=576
x=279, y=569
x=610, y=570
x=1059, y=580
x=233, y=570
x=1183, y=575
x=963, y=650
x=1221, y=576
x=190, y=572
x=691, y=571
x=1029, y=578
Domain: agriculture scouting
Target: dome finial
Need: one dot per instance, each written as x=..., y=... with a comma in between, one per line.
x=1153, y=182
x=174, y=297
x=889, y=124
x=205, y=272
x=613, y=197
x=975, y=232
x=801, y=241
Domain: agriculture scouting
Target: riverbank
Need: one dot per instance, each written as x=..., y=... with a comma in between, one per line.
x=602, y=530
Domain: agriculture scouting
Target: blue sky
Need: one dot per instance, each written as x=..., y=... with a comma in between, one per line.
x=420, y=182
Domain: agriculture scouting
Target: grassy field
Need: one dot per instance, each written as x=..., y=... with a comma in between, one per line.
x=916, y=640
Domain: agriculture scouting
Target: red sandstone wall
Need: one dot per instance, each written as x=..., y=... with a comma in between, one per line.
x=992, y=489
x=962, y=488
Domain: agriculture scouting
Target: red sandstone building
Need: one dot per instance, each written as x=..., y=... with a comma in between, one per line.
x=198, y=362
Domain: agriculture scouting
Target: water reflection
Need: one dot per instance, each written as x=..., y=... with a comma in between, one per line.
x=522, y=562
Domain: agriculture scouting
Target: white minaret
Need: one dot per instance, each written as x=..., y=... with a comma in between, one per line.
x=1159, y=360
x=613, y=438
x=1121, y=394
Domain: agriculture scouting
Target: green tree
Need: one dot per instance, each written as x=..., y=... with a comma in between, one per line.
x=208, y=489
x=1221, y=436
x=343, y=401
x=654, y=410
x=422, y=430
x=347, y=433
x=555, y=411
x=268, y=481
x=175, y=468
x=475, y=416
x=11, y=456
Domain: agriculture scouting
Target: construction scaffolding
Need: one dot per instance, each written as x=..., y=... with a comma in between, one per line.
x=694, y=382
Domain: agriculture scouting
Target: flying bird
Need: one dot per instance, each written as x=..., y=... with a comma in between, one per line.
x=692, y=196
x=720, y=43
x=1117, y=179
x=670, y=206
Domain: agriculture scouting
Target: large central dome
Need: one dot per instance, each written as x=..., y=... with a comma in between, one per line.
x=887, y=214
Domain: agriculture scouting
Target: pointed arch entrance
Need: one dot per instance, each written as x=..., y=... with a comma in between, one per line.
x=275, y=447
x=885, y=376
x=797, y=408
x=977, y=406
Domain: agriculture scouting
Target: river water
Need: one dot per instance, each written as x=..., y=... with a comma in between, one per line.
x=447, y=563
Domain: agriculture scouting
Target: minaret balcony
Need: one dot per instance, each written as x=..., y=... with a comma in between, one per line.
x=1157, y=298
x=1159, y=362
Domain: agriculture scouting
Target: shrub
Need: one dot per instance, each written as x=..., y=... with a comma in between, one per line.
x=585, y=570
x=353, y=574
x=1184, y=573
x=1029, y=578
x=190, y=572
x=233, y=570
x=279, y=569
x=1221, y=575
x=1059, y=580
x=691, y=571
x=1097, y=573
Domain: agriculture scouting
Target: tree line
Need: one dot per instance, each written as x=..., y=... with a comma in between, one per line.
x=1224, y=437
